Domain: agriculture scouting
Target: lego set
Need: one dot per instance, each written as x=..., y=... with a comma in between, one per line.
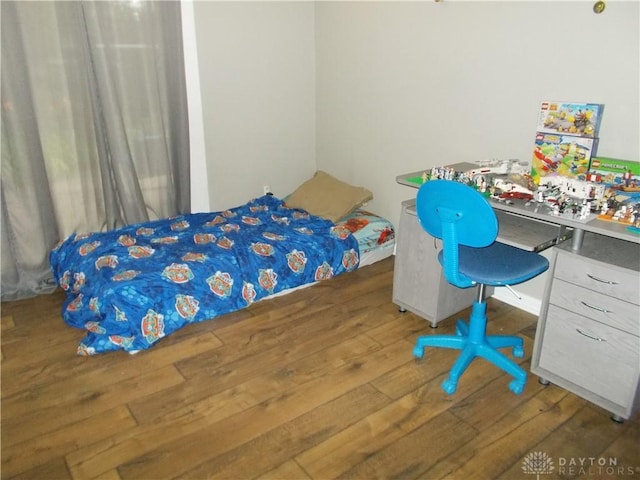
x=565, y=176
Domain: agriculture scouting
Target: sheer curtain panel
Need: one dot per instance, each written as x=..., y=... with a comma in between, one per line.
x=94, y=126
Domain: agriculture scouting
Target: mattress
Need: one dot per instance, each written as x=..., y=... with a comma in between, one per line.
x=375, y=235
x=129, y=287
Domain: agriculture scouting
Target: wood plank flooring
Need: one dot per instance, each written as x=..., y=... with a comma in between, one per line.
x=317, y=384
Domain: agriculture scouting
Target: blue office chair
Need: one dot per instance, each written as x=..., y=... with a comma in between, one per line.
x=470, y=256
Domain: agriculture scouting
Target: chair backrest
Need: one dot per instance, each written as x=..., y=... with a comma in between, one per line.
x=459, y=215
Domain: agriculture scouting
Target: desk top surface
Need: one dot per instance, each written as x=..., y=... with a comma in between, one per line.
x=537, y=211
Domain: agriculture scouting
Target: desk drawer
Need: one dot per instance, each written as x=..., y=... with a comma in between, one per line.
x=603, y=308
x=599, y=277
x=594, y=356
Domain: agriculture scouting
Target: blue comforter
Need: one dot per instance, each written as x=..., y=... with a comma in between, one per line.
x=132, y=286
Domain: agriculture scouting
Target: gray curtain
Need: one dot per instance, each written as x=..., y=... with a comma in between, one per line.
x=94, y=126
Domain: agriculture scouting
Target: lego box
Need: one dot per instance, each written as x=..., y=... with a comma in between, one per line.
x=616, y=172
x=581, y=119
x=561, y=155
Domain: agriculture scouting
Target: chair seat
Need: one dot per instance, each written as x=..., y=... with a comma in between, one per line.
x=499, y=264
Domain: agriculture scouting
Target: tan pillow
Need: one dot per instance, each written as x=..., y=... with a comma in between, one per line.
x=327, y=197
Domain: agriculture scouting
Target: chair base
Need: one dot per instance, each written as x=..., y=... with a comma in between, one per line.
x=473, y=342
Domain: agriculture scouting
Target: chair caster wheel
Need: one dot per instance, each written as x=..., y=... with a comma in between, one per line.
x=516, y=386
x=449, y=386
x=518, y=352
x=418, y=352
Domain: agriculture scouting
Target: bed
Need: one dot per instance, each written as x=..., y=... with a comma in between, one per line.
x=129, y=288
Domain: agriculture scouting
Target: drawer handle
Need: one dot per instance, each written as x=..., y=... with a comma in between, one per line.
x=590, y=336
x=601, y=280
x=593, y=307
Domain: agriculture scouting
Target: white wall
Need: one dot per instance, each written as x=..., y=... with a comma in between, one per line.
x=198, y=174
x=370, y=90
x=257, y=81
x=402, y=86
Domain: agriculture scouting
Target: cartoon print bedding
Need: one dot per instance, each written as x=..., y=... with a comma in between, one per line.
x=132, y=286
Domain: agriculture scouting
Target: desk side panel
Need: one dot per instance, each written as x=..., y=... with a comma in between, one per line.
x=418, y=283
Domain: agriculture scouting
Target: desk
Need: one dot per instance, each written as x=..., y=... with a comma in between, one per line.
x=588, y=334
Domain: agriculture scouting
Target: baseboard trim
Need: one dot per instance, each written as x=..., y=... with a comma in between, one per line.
x=527, y=303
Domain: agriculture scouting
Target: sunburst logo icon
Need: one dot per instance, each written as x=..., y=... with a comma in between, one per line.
x=538, y=463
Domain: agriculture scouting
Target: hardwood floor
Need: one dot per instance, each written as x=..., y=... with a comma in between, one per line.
x=317, y=384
